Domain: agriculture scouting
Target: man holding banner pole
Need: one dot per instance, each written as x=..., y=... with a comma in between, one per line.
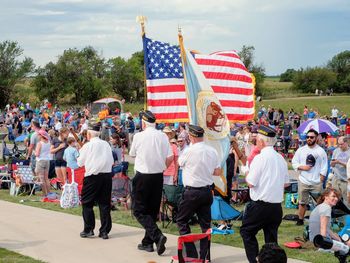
x=199, y=163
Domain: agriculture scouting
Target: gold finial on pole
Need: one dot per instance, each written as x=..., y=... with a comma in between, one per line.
x=142, y=20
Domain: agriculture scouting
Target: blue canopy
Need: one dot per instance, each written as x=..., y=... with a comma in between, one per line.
x=220, y=210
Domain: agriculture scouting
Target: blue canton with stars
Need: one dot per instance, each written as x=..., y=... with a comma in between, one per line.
x=162, y=60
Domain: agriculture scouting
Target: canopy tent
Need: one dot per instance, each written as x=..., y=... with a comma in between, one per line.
x=112, y=104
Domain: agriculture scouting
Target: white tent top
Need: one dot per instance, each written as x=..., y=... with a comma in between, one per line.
x=106, y=100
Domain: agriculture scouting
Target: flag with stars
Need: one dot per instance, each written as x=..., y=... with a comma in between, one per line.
x=166, y=96
x=166, y=93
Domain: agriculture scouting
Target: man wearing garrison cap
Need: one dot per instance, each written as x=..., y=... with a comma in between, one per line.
x=267, y=177
x=153, y=155
x=96, y=156
x=199, y=163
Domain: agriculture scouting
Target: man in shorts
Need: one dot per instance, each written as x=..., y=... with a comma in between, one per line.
x=312, y=164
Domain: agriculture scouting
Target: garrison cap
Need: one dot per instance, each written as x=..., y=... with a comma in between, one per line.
x=195, y=131
x=148, y=116
x=95, y=127
x=267, y=131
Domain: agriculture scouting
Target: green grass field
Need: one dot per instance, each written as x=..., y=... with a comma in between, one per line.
x=322, y=104
x=287, y=231
x=7, y=256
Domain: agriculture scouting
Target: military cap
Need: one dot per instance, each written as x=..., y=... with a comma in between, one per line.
x=267, y=131
x=195, y=131
x=95, y=127
x=148, y=116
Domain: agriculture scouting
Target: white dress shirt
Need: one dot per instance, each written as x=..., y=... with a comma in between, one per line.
x=96, y=156
x=268, y=173
x=198, y=163
x=151, y=148
x=312, y=176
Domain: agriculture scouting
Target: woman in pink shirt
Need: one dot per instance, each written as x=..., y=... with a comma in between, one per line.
x=170, y=174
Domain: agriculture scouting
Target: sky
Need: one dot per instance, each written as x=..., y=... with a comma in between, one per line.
x=285, y=33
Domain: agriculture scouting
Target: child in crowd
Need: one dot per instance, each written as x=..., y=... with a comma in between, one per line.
x=71, y=154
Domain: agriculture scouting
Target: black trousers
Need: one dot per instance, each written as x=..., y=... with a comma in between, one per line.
x=259, y=215
x=146, y=197
x=195, y=201
x=97, y=188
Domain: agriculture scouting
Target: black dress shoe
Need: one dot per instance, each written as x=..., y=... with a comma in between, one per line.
x=86, y=234
x=103, y=235
x=148, y=248
x=161, y=244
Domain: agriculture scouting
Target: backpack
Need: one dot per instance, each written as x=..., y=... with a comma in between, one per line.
x=70, y=194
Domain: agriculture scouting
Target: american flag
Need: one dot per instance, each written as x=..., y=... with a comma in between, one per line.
x=166, y=94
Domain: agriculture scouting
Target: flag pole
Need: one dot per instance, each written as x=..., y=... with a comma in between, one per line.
x=142, y=20
x=183, y=59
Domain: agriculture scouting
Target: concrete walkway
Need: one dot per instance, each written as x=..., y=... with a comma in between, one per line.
x=54, y=237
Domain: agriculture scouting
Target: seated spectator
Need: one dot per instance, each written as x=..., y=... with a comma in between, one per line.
x=117, y=152
x=320, y=217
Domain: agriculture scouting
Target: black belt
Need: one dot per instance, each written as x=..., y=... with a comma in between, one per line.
x=263, y=202
x=197, y=188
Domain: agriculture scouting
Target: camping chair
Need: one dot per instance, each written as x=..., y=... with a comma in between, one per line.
x=121, y=189
x=5, y=177
x=170, y=202
x=186, y=242
x=26, y=182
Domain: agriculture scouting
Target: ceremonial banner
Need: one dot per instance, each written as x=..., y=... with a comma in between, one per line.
x=206, y=111
x=225, y=72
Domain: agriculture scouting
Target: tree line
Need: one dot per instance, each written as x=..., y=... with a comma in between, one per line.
x=83, y=75
x=335, y=75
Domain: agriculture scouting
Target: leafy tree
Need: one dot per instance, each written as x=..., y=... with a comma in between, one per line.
x=78, y=72
x=310, y=79
x=12, y=69
x=47, y=84
x=340, y=64
x=247, y=57
x=288, y=75
x=126, y=77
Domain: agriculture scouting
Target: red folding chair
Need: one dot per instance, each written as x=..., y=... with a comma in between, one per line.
x=191, y=239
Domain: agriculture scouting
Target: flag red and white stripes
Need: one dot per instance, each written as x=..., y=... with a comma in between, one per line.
x=226, y=73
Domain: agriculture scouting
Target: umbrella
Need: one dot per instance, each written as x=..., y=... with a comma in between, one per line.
x=220, y=210
x=319, y=125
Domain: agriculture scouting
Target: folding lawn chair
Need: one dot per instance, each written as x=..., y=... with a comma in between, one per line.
x=26, y=182
x=121, y=189
x=190, y=244
x=5, y=177
x=170, y=202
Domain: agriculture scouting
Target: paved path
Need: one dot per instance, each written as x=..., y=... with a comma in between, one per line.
x=54, y=237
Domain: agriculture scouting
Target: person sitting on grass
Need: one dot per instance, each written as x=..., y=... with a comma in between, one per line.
x=320, y=217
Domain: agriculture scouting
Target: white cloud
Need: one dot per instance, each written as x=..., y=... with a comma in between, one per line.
x=283, y=33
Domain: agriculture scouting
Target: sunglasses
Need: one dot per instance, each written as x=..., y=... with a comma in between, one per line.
x=310, y=137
